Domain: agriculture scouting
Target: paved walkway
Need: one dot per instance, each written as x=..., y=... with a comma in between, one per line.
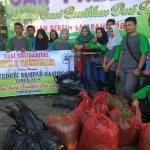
x=40, y=106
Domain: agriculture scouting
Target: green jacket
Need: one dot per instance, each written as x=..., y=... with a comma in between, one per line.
x=142, y=94
x=92, y=45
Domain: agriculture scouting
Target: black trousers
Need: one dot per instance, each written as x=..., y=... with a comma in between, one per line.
x=145, y=106
x=146, y=82
x=145, y=110
x=111, y=78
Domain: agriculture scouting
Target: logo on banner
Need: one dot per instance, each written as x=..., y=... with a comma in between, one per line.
x=65, y=57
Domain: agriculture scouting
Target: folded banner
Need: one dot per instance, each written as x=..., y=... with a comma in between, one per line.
x=33, y=72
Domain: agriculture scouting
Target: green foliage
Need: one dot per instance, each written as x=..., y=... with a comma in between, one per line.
x=2, y=15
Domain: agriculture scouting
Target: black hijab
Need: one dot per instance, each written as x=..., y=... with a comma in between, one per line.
x=41, y=44
x=104, y=39
x=51, y=40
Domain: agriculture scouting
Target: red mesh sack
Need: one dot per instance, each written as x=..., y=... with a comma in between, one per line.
x=102, y=108
x=99, y=133
x=67, y=127
x=128, y=134
x=86, y=100
x=101, y=97
x=115, y=102
x=144, y=141
x=80, y=113
x=84, y=107
x=91, y=112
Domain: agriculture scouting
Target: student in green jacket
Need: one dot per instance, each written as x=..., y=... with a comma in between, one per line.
x=86, y=39
x=112, y=56
x=142, y=99
x=63, y=43
x=19, y=42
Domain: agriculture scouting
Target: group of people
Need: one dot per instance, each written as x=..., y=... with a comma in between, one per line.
x=120, y=56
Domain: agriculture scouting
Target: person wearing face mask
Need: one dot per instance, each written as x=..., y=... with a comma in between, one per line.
x=85, y=39
x=112, y=56
x=53, y=36
x=100, y=41
x=63, y=43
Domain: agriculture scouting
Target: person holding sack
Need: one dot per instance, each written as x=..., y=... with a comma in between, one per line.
x=142, y=99
x=135, y=47
x=100, y=42
x=112, y=56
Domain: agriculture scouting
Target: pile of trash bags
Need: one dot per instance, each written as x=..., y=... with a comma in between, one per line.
x=106, y=123
x=71, y=83
x=29, y=132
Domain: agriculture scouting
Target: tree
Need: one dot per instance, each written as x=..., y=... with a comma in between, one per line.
x=2, y=14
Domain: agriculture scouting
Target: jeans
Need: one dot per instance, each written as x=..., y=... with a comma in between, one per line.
x=88, y=78
x=130, y=83
x=99, y=76
x=111, y=77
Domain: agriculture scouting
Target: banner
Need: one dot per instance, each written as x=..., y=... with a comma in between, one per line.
x=32, y=72
x=73, y=14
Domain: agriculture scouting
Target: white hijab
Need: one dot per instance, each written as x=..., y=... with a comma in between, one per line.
x=116, y=39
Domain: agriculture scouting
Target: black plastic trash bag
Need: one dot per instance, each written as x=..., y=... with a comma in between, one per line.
x=24, y=117
x=70, y=78
x=12, y=134
x=38, y=140
x=30, y=131
x=29, y=118
x=14, y=114
x=63, y=103
x=70, y=83
x=66, y=103
x=71, y=89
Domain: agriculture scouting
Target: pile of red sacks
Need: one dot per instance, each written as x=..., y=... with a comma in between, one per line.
x=95, y=126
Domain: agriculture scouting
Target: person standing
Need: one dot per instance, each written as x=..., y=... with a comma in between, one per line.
x=146, y=73
x=31, y=32
x=41, y=41
x=112, y=56
x=53, y=36
x=109, y=23
x=63, y=43
x=84, y=39
x=19, y=42
x=100, y=42
x=2, y=42
x=135, y=47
